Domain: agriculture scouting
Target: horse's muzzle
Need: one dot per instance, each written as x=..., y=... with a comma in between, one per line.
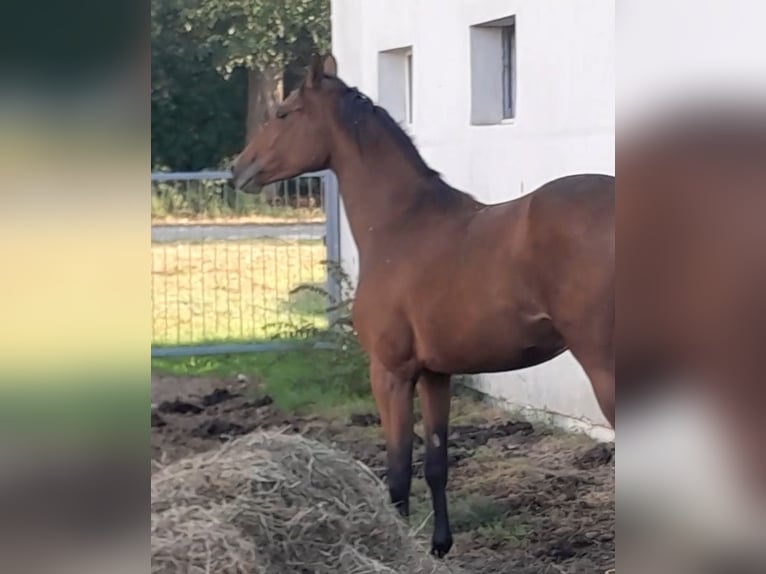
x=244, y=174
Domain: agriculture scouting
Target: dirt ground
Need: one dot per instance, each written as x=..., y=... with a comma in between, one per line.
x=523, y=500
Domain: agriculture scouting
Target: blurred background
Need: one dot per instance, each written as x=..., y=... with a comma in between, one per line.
x=74, y=151
x=691, y=151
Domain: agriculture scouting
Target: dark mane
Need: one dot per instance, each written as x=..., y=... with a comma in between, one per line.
x=359, y=116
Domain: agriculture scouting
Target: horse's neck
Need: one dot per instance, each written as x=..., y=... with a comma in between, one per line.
x=382, y=188
x=376, y=192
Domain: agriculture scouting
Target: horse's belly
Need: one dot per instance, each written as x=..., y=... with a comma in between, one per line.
x=490, y=346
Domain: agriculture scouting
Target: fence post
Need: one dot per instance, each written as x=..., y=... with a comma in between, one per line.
x=332, y=235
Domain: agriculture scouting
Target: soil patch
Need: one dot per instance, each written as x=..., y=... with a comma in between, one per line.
x=523, y=499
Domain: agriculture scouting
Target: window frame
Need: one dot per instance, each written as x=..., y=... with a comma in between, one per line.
x=509, y=70
x=396, y=81
x=409, y=105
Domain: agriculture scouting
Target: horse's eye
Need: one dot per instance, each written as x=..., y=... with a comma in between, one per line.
x=281, y=114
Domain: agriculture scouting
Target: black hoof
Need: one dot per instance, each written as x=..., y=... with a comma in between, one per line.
x=441, y=548
x=438, y=553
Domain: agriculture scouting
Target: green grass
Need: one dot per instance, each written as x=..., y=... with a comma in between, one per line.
x=215, y=202
x=310, y=381
x=234, y=290
x=481, y=516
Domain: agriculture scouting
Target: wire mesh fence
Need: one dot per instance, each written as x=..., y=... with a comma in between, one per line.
x=226, y=264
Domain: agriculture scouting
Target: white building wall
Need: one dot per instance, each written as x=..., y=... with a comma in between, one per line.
x=564, y=122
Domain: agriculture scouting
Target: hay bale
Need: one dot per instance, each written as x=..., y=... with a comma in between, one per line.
x=270, y=503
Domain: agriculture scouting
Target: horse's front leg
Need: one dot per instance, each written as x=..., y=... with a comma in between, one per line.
x=394, y=397
x=434, y=391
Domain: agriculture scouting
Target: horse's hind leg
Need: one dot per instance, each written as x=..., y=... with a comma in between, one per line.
x=602, y=380
x=434, y=392
x=591, y=342
x=394, y=398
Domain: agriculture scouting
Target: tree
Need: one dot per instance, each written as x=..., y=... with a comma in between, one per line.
x=218, y=68
x=265, y=37
x=198, y=115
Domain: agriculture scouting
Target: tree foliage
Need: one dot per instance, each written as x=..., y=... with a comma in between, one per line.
x=258, y=34
x=202, y=52
x=198, y=116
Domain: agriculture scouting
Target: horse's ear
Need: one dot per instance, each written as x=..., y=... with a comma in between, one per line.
x=330, y=66
x=315, y=71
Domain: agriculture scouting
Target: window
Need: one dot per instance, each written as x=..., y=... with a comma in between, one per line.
x=493, y=71
x=408, y=65
x=395, y=83
x=509, y=70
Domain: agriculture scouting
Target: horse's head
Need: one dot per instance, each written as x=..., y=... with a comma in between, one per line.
x=295, y=140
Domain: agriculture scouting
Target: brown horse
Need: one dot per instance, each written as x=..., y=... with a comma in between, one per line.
x=446, y=284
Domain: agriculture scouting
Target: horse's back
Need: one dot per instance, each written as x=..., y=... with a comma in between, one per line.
x=574, y=209
x=574, y=200
x=570, y=226
x=562, y=228
x=580, y=195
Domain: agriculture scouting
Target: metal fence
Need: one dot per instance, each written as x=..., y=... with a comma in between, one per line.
x=226, y=265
